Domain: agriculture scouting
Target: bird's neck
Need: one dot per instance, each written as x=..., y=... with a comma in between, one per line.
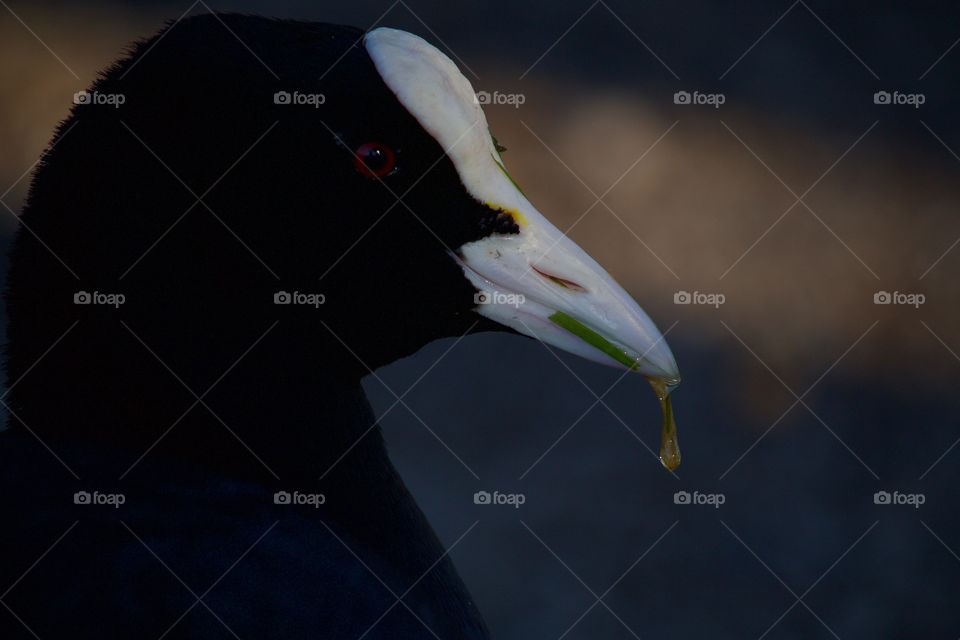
x=282, y=412
x=315, y=436
x=293, y=427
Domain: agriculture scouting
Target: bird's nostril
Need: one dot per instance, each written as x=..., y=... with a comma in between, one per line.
x=563, y=282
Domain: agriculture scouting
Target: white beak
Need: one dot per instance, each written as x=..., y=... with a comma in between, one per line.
x=541, y=284
x=537, y=282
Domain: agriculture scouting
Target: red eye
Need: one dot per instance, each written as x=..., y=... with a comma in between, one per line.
x=374, y=160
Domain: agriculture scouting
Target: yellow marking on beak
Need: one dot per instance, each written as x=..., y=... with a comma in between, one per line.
x=518, y=217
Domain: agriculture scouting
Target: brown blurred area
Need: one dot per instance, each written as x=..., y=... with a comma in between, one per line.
x=701, y=212
x=689, y=208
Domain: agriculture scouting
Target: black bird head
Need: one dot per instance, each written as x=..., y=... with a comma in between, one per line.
x=235, y=172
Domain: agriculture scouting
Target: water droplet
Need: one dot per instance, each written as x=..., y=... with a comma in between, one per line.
x=669, y=446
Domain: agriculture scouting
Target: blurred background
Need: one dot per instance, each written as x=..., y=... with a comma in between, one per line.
x=762, y=176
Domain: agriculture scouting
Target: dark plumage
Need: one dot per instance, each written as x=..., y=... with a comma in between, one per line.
x=201, y=300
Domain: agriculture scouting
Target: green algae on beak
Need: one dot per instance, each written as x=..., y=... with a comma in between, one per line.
x=593, y=338
x=669, y=445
